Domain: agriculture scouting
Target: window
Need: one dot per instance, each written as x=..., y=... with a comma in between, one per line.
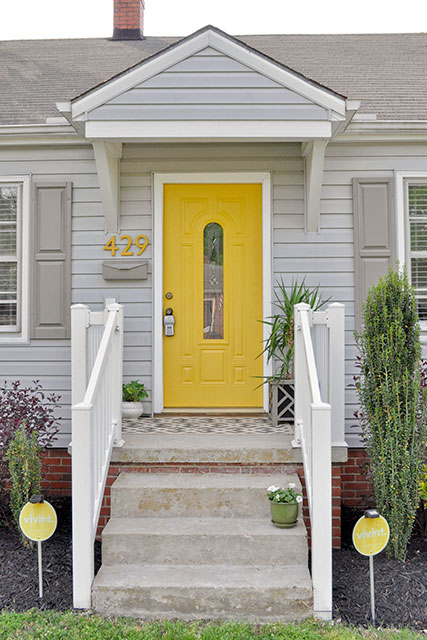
x=417, y=244
x=13, y=259
x=9, y=257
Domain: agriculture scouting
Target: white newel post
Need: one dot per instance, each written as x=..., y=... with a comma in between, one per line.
x=335, y=323
x=321, y=512
x=79, y=329
x=83, y=491
x=82, y=480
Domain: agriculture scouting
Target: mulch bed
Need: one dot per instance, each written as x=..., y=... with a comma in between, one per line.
x=19, y=587
x=401, y=587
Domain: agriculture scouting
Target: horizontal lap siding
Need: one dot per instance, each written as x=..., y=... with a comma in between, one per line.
x=49, y=360
x=325, y=259
x=342, y=164
x=209, y=86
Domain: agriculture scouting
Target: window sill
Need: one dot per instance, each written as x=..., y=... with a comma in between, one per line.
x=15, y=339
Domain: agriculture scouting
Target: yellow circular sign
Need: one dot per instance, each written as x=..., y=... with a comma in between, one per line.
x=370, y=535
x=38, y=521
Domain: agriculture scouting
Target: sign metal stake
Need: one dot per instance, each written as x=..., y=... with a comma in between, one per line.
x=39, y=553
x=371, y=577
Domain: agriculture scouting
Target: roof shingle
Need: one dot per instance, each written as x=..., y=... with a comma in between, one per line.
x=388, y=72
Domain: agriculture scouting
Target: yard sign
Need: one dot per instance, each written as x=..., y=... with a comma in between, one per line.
x=370, y=536
x=38, y=522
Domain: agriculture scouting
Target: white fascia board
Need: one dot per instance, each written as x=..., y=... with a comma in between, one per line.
x=41, y=134
x=180, y=52
x=64, y=107
x=385, y=131
x=352, y=107
x=215, y=130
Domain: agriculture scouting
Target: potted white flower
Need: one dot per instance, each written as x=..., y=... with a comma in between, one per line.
x=284, y=505
x=133, y=394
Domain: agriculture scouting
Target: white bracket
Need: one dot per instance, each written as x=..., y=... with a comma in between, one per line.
x=314, y=154
x=107, y=160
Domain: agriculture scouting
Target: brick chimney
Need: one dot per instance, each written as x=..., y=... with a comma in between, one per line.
x=128, y=19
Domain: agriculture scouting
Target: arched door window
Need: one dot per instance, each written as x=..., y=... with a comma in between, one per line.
x=213, y=281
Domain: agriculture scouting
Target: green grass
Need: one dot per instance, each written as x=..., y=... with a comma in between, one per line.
x=50, y=625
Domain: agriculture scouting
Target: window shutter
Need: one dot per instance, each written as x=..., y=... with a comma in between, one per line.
x=374, y=235
x=51, y=268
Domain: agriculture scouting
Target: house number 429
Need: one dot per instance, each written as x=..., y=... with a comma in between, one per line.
x=141, y=242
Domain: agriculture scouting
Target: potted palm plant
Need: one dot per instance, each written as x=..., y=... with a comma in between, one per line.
x=133, y=394
x=284, y=505
x=279, y=345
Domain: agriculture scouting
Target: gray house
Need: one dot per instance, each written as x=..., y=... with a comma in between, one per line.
x=307, y=154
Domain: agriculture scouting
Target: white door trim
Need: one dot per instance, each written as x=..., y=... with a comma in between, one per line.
x=159, y=180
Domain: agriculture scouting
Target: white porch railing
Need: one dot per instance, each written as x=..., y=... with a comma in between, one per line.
x=315, y=421
x=96, y=370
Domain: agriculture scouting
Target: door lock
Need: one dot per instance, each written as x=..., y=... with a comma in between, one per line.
x=169, y=322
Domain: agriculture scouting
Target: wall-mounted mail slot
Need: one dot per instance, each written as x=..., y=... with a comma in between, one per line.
x=125, y=270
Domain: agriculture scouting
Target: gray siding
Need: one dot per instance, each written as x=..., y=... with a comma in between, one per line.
x=49, y=360
x=209, y=86
x=325, y=258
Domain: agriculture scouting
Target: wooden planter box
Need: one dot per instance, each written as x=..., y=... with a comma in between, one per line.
x=282, y=402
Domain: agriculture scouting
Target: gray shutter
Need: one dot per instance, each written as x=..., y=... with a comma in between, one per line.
x=374, y=235
x=51, y=268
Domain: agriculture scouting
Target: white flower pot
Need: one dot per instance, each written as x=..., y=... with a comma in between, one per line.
x=132, y=409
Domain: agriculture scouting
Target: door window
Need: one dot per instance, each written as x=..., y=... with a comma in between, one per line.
x=213, y=282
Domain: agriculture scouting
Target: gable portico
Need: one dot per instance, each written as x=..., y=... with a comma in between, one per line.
x=209, y=88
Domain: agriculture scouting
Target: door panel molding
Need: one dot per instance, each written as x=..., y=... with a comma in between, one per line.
x=159, y=180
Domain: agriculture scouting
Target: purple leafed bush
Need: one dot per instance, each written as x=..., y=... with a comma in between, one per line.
x=29, y=405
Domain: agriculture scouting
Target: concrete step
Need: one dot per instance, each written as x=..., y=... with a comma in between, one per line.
x=197, y=541
x=193, y=495
x=203, y=592
x=207, y=448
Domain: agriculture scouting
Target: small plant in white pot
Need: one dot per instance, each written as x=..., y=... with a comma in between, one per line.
x=284, y=505
x=133, y=394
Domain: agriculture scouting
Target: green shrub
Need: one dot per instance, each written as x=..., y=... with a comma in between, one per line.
x=23, y=456
x=393, y=408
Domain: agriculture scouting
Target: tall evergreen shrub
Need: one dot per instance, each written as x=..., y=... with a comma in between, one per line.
x=23, y=456
x=393, y=409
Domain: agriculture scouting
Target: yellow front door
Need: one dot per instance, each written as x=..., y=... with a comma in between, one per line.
x=213, y=284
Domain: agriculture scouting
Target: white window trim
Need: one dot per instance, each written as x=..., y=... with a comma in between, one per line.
x=159, y=180
x=402, y=180
x=21, y=335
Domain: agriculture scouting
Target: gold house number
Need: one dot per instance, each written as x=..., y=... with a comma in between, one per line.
x=140, y=241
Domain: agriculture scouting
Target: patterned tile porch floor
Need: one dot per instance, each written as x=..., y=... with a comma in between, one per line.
x=206, y=424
